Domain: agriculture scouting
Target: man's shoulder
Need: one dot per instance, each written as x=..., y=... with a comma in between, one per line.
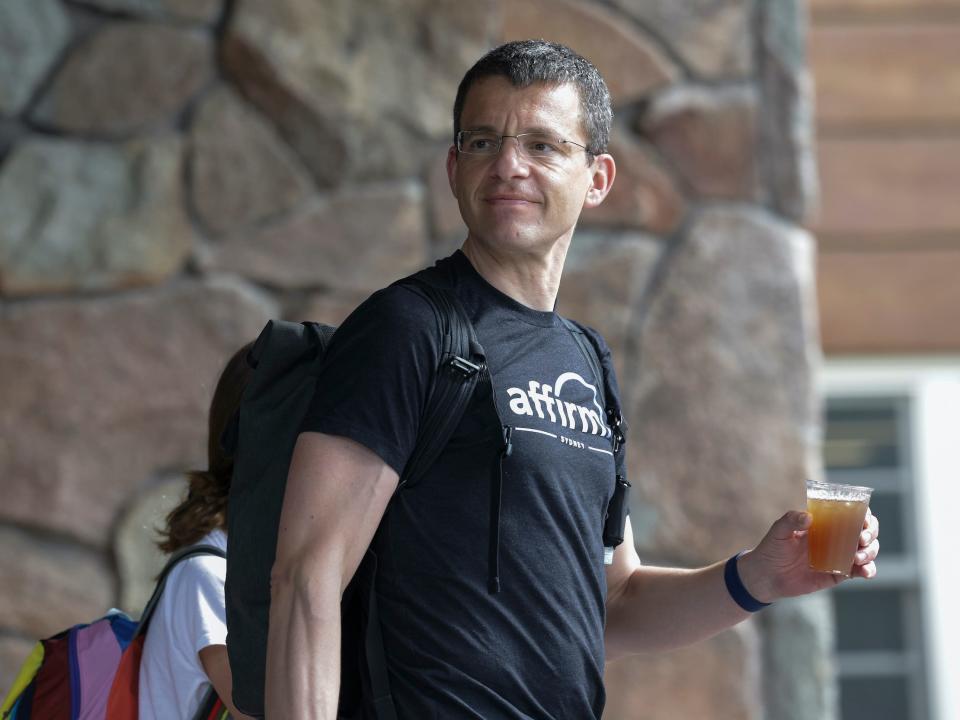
x=399, y=306
x=393, y=325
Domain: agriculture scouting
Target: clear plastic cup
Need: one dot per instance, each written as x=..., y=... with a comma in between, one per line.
x=838, y=513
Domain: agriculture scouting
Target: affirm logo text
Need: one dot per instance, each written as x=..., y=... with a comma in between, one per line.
x=546, y=402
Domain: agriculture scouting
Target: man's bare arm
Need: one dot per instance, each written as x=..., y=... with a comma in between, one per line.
x=653, y=608
x=337, y=492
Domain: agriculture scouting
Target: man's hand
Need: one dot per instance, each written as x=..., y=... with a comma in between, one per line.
x=778, y=567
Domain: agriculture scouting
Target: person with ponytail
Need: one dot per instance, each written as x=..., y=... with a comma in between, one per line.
x=185, y=650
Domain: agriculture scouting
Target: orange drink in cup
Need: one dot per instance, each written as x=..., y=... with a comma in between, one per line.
x=838, y=512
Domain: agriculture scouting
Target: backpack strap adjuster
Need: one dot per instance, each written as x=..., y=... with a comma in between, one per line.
x=615, y=420
x=463, y=366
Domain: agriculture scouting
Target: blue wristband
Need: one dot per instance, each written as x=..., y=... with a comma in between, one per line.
x=735, y=587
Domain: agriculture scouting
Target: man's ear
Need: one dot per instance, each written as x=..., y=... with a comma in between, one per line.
x=452, y=168
x=604, y=170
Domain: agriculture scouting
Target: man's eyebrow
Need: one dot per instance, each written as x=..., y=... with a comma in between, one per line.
x=530, y=129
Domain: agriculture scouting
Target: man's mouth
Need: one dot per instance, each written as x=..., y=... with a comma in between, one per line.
x=509, y=199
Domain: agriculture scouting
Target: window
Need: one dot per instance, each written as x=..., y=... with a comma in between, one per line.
x=892, y=423
x=879, y=637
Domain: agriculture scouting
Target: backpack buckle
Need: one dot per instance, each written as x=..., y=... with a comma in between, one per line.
x=615, y=420
x=507, y=440
x=463, y=366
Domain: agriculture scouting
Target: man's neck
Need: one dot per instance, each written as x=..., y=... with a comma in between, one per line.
x=532, y=279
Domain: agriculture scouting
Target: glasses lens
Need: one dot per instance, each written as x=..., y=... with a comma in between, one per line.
x=542, y=145
x=479, y=142
x=534, y=145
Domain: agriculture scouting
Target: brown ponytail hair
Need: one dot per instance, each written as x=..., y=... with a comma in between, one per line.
x=205, y=507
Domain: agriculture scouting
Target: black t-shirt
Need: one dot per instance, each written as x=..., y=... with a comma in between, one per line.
x=535, y=649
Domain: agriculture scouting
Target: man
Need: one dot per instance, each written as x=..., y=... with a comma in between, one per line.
x=531, y=124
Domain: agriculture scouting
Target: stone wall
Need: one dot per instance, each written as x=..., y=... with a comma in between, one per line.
x=174, y=172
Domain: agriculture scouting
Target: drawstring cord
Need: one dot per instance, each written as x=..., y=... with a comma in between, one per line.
x=496, y=496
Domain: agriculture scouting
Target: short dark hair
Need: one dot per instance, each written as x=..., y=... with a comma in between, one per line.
x=525, y=62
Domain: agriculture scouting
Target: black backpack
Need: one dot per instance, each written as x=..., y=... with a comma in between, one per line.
x=286, y=359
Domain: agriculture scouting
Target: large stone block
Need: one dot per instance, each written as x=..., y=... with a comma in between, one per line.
x=330, y=308
x=102, y=394
x=714, y=680
x=11, y=132
x=447, y=228
x=644, y=196
x=357, y=240
x=724, y=419
x=889, y=188
x=139, y=560
x=95, y=92
x=798, y=670
x=47, y=585
x=713, y=38
x=89, y=216
x=893, y=302
x=605, y=279
x=240, y=171
x=358, y=89
x=709, y=136
x=632, y=64
x=788, y=173
x=886, y=75
x=32, y=35
x=203, y=11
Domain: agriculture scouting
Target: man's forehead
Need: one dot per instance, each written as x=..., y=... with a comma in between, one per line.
x=501, y=85
x=490, y=98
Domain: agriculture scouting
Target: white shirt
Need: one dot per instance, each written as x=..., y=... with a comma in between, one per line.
x=189, y=617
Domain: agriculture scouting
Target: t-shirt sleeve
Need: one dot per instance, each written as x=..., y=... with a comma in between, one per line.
x=377, y=372
x=201, y=600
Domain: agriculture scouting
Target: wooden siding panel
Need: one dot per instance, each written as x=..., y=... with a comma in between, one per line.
x=886, y=76
x=880, y=6
x=898, y=302
x=889, y=187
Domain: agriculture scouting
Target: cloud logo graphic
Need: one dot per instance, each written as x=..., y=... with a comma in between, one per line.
x=562, y=380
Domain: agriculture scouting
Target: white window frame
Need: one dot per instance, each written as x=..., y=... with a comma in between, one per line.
x=932, y=387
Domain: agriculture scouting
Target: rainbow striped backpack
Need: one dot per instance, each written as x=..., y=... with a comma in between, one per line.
x=92, y=671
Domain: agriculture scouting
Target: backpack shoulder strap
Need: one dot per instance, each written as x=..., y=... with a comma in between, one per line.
x=602, y=374
x=615, y=521
x=175, y=559
x=462, y=366
x=589, y=351
x=211, y=706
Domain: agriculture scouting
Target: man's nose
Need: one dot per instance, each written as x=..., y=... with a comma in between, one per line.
x=511, y=160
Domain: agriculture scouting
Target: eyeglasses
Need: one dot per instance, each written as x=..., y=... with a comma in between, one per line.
x=536, y=145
